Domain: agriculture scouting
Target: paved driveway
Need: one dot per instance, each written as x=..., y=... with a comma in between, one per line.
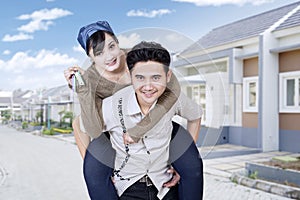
x=34, y=168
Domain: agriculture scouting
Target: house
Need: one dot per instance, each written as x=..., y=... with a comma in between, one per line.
x=246, y=75
x=49, y=102
x=12, y=101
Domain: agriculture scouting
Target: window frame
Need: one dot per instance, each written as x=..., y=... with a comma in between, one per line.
x=283, y=77
x=246, y=94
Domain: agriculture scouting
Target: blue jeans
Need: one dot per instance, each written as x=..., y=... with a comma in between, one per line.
x=188, y=164
x=99, y=161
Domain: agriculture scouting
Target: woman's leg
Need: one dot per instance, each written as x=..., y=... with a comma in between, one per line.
x=188, y=163
x=97, y=170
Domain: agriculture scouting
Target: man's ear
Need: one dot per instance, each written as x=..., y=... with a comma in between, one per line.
x=169, y=74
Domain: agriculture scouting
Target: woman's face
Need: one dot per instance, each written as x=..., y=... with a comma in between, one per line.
x=110, y=57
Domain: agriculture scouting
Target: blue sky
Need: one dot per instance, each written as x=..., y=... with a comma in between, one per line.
x=38, y=37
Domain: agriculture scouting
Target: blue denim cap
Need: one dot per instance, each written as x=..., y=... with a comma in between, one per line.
x=87, y=31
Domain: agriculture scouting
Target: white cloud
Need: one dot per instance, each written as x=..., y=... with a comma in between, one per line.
x=149, y=14
x=78, y=48
x=43, y=59
x=174, y=42
x=46, y=79
x=2, y=64
x=129, y=41
x=18, y=37
x=41, y=19
x=224, y=2
x=6, y=52
x=46, y=14
x=174, y=37
x=35, y=25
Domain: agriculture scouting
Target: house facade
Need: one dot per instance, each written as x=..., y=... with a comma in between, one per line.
x=246, y=75
x=50, y=103
x=12, y=102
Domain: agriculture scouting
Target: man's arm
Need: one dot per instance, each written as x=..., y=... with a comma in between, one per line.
x=194, y=128
x=82, y=139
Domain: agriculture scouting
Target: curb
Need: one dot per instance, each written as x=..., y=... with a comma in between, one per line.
x=61, y=138
x=274, y=188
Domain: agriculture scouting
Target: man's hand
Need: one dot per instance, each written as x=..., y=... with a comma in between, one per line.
x=175, y=179
x=127, y=139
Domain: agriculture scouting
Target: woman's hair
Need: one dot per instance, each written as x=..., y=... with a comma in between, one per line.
x=148, y=51
x=96, y=41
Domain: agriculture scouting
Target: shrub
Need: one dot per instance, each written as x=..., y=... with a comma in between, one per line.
x=48, y=131
x=24, y=125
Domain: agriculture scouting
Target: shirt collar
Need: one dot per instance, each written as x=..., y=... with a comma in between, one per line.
x=133, y=107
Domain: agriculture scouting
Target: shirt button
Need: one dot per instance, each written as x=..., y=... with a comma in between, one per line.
x=148, y=152
x=146, y=136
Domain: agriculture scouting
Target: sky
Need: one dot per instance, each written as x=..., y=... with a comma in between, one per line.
x=38, y=37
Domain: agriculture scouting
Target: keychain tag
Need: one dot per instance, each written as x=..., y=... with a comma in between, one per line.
x=74, y=83
x=79, y=78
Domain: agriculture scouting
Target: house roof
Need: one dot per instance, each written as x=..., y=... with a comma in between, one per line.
x=57, y=91
x=246, y=28
x=22, y=94
x=292, y=21
x=5, y=100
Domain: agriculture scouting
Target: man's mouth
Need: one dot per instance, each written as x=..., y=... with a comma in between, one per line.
x=149, y=94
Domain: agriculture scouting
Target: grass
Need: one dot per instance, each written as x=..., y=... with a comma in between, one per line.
x=284, y=162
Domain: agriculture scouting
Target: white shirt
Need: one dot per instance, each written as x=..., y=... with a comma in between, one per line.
x=150, y=155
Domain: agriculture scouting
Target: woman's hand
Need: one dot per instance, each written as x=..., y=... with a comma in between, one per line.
x=68, y=73
x=127, y=139
x=175, y=178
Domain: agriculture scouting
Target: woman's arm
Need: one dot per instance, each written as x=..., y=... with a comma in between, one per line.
x=82, y=139
x=163, y=105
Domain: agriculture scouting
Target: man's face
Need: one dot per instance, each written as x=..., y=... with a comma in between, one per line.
x=149, y=80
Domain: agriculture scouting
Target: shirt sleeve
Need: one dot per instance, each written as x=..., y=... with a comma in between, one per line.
x=187, y=108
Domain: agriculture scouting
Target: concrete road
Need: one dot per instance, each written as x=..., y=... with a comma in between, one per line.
x=35, y=167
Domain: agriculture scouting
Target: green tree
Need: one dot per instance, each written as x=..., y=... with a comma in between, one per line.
x=6, y=114
x=38, y=115
x=61, y=113
x=68, y=115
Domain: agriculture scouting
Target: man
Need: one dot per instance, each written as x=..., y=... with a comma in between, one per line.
x=141, y=167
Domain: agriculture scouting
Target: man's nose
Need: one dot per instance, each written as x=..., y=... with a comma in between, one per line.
x=148, y=85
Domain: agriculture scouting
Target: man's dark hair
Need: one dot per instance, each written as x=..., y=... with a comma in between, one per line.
x=148, y=51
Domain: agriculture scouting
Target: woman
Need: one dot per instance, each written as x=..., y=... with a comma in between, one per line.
x=108, y=74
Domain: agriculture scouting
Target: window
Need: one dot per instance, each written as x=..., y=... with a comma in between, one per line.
x=199, y=96
x=250, y=94
x=289, y=92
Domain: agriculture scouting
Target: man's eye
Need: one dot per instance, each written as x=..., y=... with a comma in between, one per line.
x=139, y=77
x=156, y=78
